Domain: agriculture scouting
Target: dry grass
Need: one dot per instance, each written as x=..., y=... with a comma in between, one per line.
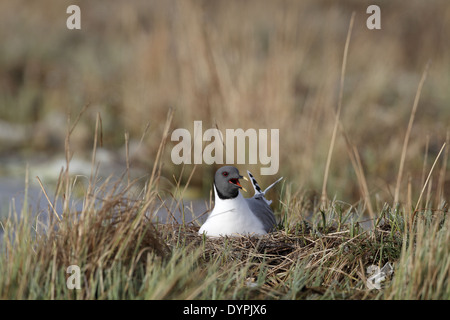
x=317, y=252
x=124, y=255
x=272, y=261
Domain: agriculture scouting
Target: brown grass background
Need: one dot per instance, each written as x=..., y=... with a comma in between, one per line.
x=234, y=64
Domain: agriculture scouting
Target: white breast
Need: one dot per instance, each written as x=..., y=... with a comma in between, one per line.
x=231, y=217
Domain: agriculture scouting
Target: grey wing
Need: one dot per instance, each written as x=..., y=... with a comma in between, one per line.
x=263, y=212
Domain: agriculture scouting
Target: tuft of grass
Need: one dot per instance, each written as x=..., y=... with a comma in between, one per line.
x=423, y=269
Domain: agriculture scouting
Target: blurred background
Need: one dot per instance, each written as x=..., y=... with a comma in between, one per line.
x=232, y=64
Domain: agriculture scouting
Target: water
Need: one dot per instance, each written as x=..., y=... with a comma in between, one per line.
x=12, y=199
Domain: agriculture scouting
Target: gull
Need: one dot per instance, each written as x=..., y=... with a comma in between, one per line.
x=235, y=215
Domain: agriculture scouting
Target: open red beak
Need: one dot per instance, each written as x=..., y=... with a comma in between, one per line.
x=236, y=182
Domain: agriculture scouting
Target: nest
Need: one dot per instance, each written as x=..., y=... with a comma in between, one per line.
x=337, y=252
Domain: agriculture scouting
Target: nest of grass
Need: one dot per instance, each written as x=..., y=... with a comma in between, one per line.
x=336, y=255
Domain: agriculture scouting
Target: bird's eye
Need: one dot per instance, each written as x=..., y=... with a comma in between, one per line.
x=225, y=173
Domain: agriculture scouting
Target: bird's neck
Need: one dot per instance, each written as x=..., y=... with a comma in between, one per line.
x=219, y=195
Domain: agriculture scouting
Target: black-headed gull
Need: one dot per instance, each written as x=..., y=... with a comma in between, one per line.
x=235, y=215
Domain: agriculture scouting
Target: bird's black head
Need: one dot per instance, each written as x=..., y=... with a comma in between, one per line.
x=227, y=183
